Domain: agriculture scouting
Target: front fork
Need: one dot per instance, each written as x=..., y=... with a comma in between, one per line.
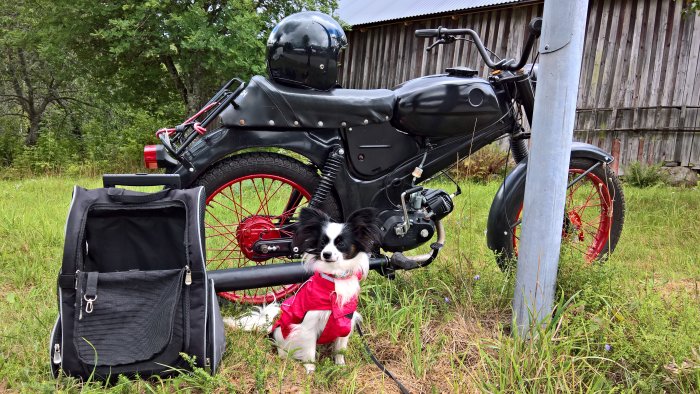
x=526, y=97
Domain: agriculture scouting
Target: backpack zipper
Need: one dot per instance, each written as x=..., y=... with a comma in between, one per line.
x=188, y=275
x=79, y=293
x=57, y=353
x=186, y=306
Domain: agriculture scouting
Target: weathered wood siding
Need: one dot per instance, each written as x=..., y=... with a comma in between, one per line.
x=639, y=92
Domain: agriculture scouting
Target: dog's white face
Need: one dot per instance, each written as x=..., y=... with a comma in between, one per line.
x=338, y=249
x=335, y=243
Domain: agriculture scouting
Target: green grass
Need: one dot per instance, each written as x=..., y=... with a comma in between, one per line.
x=439, y=329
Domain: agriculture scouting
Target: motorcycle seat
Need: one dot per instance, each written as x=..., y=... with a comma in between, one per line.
x=264, y=103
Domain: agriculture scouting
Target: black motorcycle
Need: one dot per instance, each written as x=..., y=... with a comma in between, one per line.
x=295, y=139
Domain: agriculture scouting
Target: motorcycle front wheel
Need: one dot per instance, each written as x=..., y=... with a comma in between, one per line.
x=255, y=196
x=593, y=215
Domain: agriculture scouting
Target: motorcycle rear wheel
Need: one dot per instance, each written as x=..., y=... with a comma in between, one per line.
x=593, y=219
x=249, y=197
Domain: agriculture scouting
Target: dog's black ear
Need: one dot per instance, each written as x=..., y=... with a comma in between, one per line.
x=311, y=222
x=365, y=229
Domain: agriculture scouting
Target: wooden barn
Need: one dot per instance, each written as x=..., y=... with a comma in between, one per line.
x=639, y=92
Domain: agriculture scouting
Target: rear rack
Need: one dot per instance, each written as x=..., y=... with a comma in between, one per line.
x=175, y=140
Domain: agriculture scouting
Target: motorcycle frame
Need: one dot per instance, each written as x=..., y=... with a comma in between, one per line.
x=352, y=190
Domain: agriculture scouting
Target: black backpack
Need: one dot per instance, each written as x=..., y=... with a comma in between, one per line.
x=133, y=292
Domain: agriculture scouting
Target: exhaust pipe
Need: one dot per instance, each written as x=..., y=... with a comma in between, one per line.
x=254, y=277
x=271, y=275
x=399, y=261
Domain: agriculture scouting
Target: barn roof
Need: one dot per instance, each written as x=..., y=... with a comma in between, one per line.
x=363, y=12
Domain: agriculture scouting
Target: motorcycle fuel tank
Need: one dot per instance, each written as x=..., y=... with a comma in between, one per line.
x=445, y=105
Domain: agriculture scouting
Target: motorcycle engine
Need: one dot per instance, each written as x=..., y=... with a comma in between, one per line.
x=423, y=209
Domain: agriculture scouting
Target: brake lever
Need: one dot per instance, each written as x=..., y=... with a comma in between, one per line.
x=445, y=40
x=504, y=64
x=438, y=42
x=500, y=64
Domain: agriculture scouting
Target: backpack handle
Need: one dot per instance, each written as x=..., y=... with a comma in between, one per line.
x=168, y=180
x=119, y=196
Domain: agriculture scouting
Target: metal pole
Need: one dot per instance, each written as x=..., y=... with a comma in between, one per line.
x=561, y=50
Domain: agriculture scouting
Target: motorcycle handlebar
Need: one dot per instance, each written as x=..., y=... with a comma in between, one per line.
x=427, y=32
x=535, y=27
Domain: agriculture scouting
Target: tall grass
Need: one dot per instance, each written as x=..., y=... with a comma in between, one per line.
x=629, y=325
x=644, y=175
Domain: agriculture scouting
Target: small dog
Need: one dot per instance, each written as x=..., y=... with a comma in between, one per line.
x=323, y=311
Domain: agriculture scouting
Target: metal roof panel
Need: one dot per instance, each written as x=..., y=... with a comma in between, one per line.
x=362, y=12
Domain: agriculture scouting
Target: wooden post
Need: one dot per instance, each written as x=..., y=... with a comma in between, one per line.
x=640, y=149
x=616, y=155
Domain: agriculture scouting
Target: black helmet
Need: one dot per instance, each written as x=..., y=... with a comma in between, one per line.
x=303, y=50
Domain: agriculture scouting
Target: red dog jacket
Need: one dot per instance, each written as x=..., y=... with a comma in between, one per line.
x=318, y=294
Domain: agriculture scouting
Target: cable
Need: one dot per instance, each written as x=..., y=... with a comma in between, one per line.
x=473, y=42
x=376, y=362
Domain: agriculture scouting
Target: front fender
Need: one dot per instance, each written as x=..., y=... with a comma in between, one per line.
x=222, y=142
x=498, y=231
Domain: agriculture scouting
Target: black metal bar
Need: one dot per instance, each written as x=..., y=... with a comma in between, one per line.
x=219, y=108
x=221, y=91
x=112, y=180
x=270, y=275
x=578, y=178
x=527, y=96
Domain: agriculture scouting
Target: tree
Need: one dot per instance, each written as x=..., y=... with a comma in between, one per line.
x=32, y=78
x=154, y=48
x=65, y=55
x=694, y=5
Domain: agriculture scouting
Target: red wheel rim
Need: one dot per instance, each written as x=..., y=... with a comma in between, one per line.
x=244, y=210
x=588, y=217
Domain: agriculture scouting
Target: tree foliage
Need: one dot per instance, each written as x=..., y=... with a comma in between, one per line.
x=33, y=76
x=694, y=5
x=163, y=47
x=76, y=76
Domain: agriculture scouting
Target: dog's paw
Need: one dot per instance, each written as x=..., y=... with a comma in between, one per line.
x=310, y=368
x=339, y=359
x=231, y=322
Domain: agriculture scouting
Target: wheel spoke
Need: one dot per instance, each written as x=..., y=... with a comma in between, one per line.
x=260, y=199
x=222, y=225
x=576, y=186
x=236, y=204
x=234, y=223
x=599, y=219
x=588, y=214
x=289, y=213
x=230, y=252
x=268, y=198
x=292, y=203
x=226, y=247
x=588, y=199
x=263, y=208
x=286, y=232
x=239, y=213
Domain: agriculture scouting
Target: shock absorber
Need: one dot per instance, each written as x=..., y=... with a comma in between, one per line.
x=333, y=165
x=519, y=148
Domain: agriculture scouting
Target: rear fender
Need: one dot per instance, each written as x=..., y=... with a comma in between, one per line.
x=498, y=231
x=223, y=142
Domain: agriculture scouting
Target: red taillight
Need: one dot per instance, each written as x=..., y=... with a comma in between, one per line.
x=150, y=156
